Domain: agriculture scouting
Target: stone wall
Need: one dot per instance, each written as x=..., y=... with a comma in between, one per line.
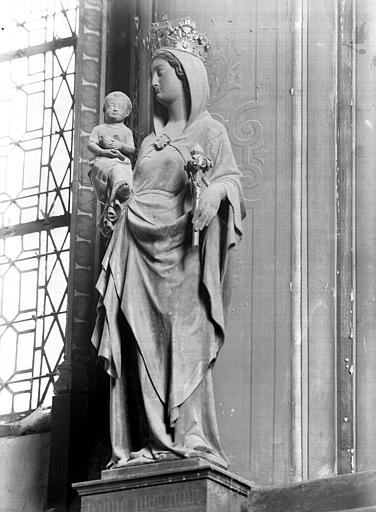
x=23, y=472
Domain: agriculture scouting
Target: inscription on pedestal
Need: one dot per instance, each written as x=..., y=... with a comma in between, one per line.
x=170, y=501
x=149, y=499
x=191, y=485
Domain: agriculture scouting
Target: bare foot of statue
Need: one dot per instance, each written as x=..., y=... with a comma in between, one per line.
x=207, y=454
x=143, y=456
x=167, y=456
x=121, y=463
x=123, y=192
x=133, y=462
x=113, y=465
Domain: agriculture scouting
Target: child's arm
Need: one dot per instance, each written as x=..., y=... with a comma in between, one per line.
x=126, y=146
x=96, y=146
x=126, y=149
x=129, y=143
x=98, y=151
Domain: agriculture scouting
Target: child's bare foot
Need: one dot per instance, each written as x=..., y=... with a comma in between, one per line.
x=123, y=192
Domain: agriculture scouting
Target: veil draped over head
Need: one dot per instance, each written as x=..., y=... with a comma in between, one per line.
x=197, y=77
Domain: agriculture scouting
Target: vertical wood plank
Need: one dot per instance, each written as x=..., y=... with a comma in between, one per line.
x=345, y=276
x=282, y=201
x=321, y=237
x=296, y=241
x=271, y=316
x=365, y=158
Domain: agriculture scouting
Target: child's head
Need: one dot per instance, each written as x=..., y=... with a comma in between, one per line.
x=117, y=106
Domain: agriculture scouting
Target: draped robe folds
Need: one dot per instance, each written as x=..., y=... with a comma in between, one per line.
x=173, y=297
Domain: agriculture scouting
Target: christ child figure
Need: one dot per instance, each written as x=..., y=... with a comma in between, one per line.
x=112, y=142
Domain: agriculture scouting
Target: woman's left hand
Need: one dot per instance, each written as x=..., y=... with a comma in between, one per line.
x=210, y=200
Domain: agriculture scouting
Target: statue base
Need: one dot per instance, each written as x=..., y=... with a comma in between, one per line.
x=187, y=485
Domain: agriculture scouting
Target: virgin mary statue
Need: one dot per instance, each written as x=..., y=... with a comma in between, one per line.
x=163, y=301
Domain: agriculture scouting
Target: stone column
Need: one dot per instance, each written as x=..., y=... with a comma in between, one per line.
x=69, y=428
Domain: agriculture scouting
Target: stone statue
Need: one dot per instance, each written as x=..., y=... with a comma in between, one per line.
x=163, y=300
x=111, y=169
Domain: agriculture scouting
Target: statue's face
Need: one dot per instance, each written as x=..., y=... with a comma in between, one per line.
x=167, y=86
x=115, y=110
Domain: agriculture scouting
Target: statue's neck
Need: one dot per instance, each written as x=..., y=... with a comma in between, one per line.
x=174, y=128
x=177, y=117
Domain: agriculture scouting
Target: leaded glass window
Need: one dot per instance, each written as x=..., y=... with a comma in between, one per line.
x=37, y=66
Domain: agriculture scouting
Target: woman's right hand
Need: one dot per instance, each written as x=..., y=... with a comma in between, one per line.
x=208, y=206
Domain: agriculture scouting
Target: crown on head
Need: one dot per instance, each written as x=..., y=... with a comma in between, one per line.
x=181, y=34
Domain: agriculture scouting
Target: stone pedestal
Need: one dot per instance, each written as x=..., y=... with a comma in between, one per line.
x=188, y=485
